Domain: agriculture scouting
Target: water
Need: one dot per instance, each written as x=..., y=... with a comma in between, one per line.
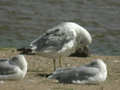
x=21, y=21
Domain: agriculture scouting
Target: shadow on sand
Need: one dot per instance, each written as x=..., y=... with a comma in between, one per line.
x=44, y=74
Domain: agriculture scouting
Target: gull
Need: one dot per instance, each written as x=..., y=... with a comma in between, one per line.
x=61, y=40
x=92, y=73
x=14, y=68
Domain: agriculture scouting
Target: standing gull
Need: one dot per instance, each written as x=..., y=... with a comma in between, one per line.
x=93, y=72
x=62, y=40
x=13, y=69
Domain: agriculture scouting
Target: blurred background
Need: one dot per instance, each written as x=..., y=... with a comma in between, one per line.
x=21, y=21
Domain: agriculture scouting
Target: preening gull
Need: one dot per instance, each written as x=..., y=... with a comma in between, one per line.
x=61, y=40
x=94, y=72
x=14, y=68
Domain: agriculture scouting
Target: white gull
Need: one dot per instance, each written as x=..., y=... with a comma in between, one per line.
x=62, y=40
x=14, y=68
x=94, y=72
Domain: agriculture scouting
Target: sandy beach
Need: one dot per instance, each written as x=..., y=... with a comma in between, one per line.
x=40, y=67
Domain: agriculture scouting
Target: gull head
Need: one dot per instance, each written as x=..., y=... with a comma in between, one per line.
x=98, y=63
x=20, y=61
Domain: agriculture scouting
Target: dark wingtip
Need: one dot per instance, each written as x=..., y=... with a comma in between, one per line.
x=20, y=49
x=25, y=50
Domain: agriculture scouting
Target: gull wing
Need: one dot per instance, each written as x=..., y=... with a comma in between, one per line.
x=6, y=68
x=74, y=74
x=53, y=40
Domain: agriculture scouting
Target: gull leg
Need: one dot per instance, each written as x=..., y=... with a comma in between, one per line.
x=60, y=61
x=54, y=64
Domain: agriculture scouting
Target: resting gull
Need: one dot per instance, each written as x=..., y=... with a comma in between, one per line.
x=94, y=72
x=14, y=68
x=62, y=40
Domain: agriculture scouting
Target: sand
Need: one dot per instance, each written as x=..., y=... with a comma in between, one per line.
x=39, y=67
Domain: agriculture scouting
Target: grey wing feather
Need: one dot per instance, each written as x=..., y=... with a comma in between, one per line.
x=68, y=75
x=3, y=60
x=52, y=40
x=6, y=68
